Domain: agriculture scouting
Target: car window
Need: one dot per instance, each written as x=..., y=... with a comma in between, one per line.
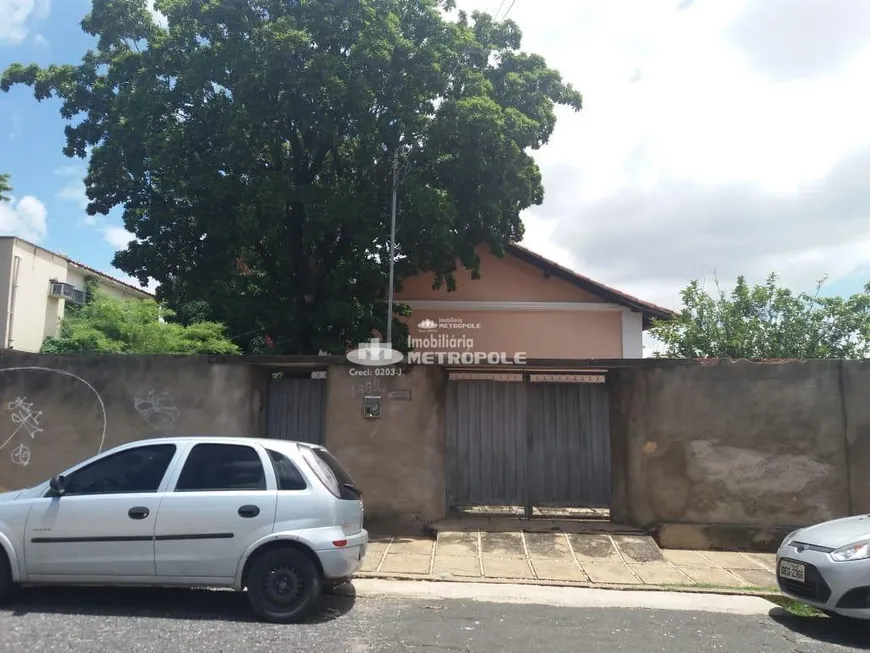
x=331, y=473
x=288, y=475
x=222, y=467
x=133, y=470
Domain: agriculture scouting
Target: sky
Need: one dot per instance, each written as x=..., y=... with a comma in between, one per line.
x=716, y=139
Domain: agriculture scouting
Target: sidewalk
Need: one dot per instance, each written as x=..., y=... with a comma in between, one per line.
x=599, y=559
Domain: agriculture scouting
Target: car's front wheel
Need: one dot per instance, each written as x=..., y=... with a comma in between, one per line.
x=283, y=585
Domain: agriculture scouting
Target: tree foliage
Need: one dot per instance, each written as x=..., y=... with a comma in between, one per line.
x=5, y=188
x=133, y=326
x=251, y=145
x=766, y=321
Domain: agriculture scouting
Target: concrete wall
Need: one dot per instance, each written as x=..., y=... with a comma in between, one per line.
x=764, y=445
x=702, y=452
x=397, y=460
x=60, y=409
x=856, y=407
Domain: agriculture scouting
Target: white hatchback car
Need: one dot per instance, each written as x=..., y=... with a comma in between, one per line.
x=828, y=566
x=282, y=519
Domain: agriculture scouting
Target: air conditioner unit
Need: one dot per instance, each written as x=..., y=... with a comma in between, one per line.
x=66, y=291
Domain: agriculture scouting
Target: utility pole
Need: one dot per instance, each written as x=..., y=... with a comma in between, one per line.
x=392, y=248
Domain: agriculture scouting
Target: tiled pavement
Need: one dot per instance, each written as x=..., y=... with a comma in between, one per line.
x=564, y=558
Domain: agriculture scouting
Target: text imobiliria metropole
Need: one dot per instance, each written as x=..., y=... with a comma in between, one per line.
x=446, y=349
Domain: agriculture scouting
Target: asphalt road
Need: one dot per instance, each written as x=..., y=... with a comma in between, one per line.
x=91, y=620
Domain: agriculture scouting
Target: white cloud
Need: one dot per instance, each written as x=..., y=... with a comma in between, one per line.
x=709, y=140
x=18, y=16
x=74, y=192
x=74, y=189
x=25, y=218
x=795, y=39
x=117, y=237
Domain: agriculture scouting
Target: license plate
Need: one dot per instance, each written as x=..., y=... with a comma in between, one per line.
x=792, y=571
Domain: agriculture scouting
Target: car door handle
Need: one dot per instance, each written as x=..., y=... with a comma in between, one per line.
x=139, y=512
x=249, y=511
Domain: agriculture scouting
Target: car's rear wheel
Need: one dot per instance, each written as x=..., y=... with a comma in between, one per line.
x=283, y=585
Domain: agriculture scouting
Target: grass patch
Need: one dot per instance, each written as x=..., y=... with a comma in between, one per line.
x=772, y=594
x=796, y=608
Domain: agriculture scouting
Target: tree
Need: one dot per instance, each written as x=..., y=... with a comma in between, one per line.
x=133, y=326
x=5, y=188
x=766, y=321
x=251, y=143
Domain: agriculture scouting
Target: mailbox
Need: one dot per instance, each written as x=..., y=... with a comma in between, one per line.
x=372, y=406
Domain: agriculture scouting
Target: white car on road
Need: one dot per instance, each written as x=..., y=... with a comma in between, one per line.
x=828, y=566
x=281, y=519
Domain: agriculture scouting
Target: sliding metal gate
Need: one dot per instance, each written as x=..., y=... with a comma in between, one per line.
x=536, y=441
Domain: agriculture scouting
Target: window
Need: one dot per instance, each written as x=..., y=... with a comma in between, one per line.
x=133, y=470
x=331, y=473
x=289, y=478
x=219, y=467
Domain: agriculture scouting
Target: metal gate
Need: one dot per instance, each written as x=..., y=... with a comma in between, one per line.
x=295, y=408
x=536, y=441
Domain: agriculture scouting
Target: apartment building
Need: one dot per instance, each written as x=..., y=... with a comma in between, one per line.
x=37, y=284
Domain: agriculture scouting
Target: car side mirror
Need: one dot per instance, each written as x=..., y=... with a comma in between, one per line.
x=56, y=485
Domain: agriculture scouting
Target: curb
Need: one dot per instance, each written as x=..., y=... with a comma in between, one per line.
x=688, y=589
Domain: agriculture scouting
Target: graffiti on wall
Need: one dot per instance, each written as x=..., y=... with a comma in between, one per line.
x=26, y=419
x=158, y=409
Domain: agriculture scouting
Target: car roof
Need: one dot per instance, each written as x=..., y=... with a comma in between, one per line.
x=225, y=439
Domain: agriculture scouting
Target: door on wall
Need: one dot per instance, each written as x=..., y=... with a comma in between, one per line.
x=569, y=444
x=538, y=442
x=296, y=406
x=486, y=441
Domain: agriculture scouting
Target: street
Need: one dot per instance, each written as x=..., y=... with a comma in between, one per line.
x=95, y=620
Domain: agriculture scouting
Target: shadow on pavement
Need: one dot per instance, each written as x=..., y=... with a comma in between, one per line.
x=843, y=632
x=161, y=603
